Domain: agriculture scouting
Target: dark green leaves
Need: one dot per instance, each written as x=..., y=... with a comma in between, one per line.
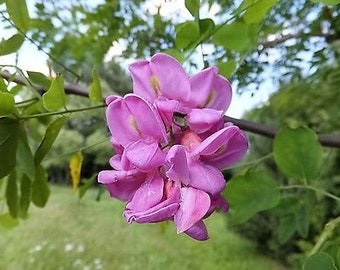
x=18, y=12
x=51, y=134
x=12, y=195
x=9, y=136
x=40, y=188
x=54, y=98
x=249, y=194
x=12, y=44
x=298, y=153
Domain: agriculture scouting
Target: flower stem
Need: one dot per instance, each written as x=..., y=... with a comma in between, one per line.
x=325, y=235
x=24, y=117
x=252, y=163
x=318, y=190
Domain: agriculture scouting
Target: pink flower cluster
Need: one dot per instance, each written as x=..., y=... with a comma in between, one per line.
x=171, y=143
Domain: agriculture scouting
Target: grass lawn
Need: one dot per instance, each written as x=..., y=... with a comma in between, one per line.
x=68, y=234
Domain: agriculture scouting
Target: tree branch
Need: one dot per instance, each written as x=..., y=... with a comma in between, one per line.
x=282, y=38
x=73, y=89
x=328, y=140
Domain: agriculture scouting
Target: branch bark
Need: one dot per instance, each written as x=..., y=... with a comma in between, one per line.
x=282, y=38
x=328, y=140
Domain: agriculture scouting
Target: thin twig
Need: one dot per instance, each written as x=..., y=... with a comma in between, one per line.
x=328, y=140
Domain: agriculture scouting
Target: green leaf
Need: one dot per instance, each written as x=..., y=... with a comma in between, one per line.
x=12, y=195
x=249, y=194
x=233, y=36
x=18, y=12
x=7, y=103
x=51, y=134
x=9, y=137
x=12, y=44
x=327, y=2
x=193, y=7
x=54, y=98
x=302, y=221
x=187, y=34
x=24, y=157
x=40, y=188
x=3, y=86
x=95, y=91
x=25, y=196
x=227, y=68
x=206, y=27
x=297, y=153
x=318, y=261
x=286, y=229
x=257, y=10
x=176, y=54
x=39, y=79
x=7, y=221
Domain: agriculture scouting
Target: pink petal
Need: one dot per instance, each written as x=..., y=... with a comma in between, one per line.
x=201, y=85
x=166, y=109
x=194, y=205
x=218, y=202
x=160, y=212
x=224, y=148
x=202, y=120
x=171, y=77
x=133, y=118
x=177, y=160
x=148, y=194
x=210, y=90
x=198, y=231
x=146, y=156
x=141, y=74
x=205, y=177
x=121, y=184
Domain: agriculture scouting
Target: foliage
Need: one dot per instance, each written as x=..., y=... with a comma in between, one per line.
x=287, y=107
x=74, y=235
x=299, y=47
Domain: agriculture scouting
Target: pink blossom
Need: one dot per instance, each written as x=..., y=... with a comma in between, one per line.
x=171, y=143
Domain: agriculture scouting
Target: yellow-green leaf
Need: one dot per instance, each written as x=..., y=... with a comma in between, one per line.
x=75, y=169
x=227, y=68
x=257, y=10
x=54, y=98
x=7, y=103
x=18, y=12
x=95, y=92
x=7, y=221
x=233, y=36
x=327, y=2
x=12, y=44
x=39, y=79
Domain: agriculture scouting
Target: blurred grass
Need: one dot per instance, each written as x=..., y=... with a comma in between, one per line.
x=68, y=234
